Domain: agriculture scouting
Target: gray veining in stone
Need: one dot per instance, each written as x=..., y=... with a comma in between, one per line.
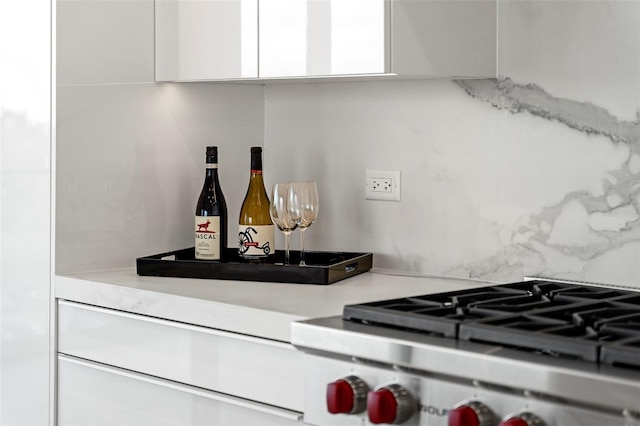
x=583, y=116
x=607, y=222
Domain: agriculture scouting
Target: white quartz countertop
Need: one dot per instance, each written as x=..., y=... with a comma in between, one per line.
x=253, y=308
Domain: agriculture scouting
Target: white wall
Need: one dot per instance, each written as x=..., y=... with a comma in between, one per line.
x=537, y=173
x=130, y=152
x=25, y=231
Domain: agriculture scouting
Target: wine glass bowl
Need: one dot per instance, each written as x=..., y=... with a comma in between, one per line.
x=281, y=215
x=303, y=206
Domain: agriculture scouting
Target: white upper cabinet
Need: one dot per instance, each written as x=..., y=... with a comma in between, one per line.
x=323, y=37
x=239, y=39
x=206, y=39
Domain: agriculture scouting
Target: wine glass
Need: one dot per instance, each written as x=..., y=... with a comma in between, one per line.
x=303, y=205
x=279, y=211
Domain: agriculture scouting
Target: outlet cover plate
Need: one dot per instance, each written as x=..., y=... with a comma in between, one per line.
x=382, y=185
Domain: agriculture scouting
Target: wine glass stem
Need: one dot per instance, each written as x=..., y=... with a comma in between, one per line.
x=286, y=248
x=302, y=262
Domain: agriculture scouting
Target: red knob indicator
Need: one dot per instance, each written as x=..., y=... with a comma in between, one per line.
x=382, y=406
x=523, y=419
x=463, y=416
x=391, y=404
x=347, y=396
x=339, y=397
x=514, y=421
x=472, y=413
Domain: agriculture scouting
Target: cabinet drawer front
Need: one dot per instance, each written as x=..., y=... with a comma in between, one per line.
x=93, y=394
x=244, y=366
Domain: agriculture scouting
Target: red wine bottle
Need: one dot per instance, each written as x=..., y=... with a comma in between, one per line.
x=211, y=213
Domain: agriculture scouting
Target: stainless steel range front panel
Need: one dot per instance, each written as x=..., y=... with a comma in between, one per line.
x=436, y=397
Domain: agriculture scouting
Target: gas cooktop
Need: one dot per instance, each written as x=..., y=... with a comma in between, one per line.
x=564, y=320
x=534, y=353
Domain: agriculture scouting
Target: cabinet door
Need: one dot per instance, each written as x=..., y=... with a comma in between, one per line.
x=323, y=37
x=245, y=366
x=94, y=394
x=206, y=39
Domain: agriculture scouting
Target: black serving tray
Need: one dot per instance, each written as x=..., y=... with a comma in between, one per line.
x=322, y=267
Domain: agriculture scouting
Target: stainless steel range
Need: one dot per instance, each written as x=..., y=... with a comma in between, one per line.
x=537, y=352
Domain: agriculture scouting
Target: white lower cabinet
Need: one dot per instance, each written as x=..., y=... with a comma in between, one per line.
x=119, y=368
x=93, y=394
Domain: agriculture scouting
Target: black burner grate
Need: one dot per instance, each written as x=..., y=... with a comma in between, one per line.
x=625, y=353
x=596, y=324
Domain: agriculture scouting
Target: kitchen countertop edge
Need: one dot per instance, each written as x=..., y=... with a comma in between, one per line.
x=260, y=309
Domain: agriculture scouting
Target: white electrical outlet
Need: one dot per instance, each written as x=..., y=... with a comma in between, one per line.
x=382, y=185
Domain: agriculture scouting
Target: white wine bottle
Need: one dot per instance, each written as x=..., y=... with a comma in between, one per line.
x=211, y=213
x=257, y=232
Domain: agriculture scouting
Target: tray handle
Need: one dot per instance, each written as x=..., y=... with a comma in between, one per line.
x=352, y=267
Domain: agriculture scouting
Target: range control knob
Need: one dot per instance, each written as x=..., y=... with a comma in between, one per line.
x=390, y=404
x=472, y=413
x=347, y=396
x=523, y=419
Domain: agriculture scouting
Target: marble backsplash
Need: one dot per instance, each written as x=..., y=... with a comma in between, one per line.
x=587, y=234
x=499, y=180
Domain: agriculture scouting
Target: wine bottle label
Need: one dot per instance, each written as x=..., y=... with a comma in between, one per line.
x=207, y=232
x=256, y=240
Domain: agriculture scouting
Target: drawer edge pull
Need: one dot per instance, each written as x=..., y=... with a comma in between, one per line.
x=175, y=324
